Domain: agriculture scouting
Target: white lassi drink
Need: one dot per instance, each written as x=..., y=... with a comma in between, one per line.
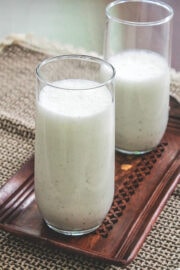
x=142, y=99
x=74, y=153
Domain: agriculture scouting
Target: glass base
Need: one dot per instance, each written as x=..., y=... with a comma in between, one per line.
x=73, y=232
x=128, y=152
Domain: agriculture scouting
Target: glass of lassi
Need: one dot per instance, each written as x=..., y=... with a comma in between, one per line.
x=138, y=44
x=75, y=142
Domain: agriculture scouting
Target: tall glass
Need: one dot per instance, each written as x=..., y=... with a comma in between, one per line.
x=75, y=142
x=138, y=44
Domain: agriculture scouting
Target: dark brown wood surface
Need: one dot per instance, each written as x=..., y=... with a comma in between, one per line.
x=143, y=185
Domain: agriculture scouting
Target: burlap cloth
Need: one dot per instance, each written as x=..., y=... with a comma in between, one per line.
x=17, y=95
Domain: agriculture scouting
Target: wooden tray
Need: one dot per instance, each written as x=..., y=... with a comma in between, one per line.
x=143, y=185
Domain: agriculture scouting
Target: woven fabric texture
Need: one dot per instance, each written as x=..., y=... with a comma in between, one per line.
x=17, y=108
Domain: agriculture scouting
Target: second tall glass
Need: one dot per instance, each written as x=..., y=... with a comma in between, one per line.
x=138, y=44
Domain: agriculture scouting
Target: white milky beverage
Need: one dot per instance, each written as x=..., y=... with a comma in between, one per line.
x=142, y=99
x=74, y=152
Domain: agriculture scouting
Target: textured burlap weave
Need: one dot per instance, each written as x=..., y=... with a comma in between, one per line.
x=17, y=95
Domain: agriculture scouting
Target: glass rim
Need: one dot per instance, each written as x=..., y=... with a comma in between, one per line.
x=146, y=23
x=75, y=57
